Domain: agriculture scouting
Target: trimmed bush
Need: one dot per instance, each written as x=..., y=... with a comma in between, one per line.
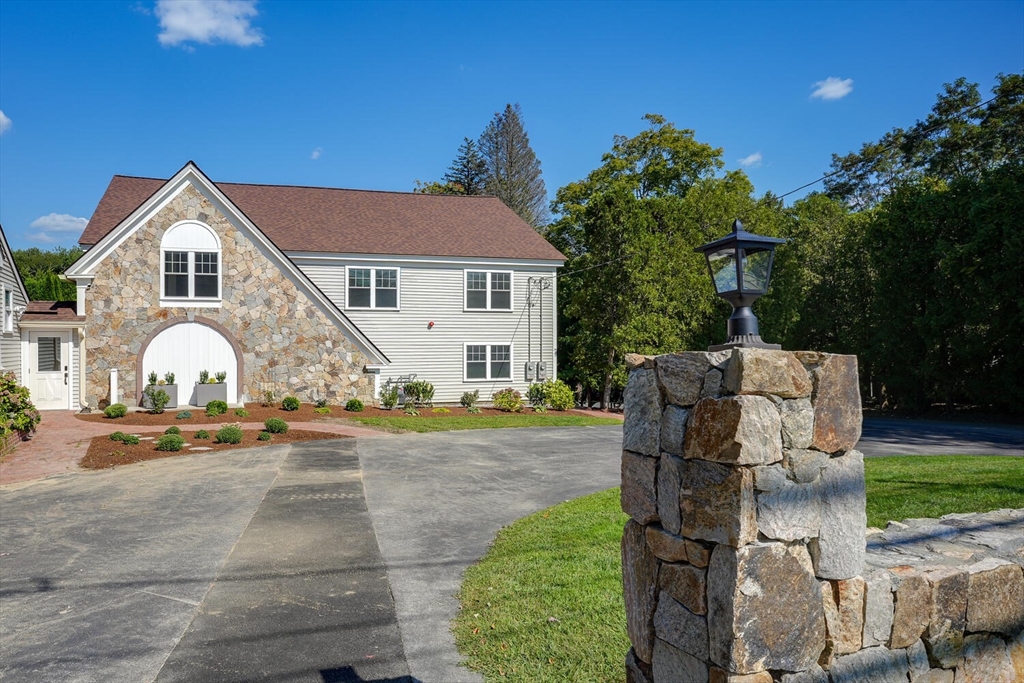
x=322, y=411
x=115, y=410
x=290, y=403
x=421, y=393
x=275, y=425
x=469, y=398
x=201, y=434
x=215, y=408
x=172, y=430
x=508, y=400
x=241, y=412
x=170, y=442
x=559, y=395
x=536, y=394
x=158, y=398
x=230, y=434
x=183, y=415
x=264, y=436
x=354, y=405
x=118, y=436
x=130, y=439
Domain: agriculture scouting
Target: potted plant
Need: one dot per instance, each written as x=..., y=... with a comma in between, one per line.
x=166, y=384
x=211, y=388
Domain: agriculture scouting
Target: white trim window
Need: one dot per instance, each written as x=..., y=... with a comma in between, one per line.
x=367, y=287
x=190, y=267
x=8, y=309
x=488, y=290
x=484, y=362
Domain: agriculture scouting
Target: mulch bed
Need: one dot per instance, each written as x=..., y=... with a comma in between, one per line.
x=104, y=453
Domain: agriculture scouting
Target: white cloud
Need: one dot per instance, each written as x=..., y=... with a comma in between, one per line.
x=57, y=223
x=316, y=153
x=832, y=88
x=208, y=21
x=5, y=123
x=751, y=161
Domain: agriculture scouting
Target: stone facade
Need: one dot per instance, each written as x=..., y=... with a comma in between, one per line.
x=746, y=553
x=288, y=343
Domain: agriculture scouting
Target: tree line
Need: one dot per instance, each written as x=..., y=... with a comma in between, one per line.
x=40, y=271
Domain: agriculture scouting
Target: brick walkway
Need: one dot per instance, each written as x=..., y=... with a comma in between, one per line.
x=61, y=441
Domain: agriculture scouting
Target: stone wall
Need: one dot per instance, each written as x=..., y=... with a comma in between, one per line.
x=288, y=343
x=744, y=556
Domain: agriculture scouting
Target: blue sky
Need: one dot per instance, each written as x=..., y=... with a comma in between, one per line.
x=378, y=95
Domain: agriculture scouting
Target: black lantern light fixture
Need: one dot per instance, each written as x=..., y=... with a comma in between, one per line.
x=741, y=265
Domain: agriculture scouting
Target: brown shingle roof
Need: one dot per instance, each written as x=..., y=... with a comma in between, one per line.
x=323, y=219
x=51, y=310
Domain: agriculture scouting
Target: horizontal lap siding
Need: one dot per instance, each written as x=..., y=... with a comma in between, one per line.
x=10, y=342
x=435, y=293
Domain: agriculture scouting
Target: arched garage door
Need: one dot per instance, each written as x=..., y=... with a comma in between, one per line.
x=186, y=349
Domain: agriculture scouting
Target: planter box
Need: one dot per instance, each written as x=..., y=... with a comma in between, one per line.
x=172, y=395
x=211, y=392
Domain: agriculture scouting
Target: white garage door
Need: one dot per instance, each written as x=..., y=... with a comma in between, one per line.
x=186, y=350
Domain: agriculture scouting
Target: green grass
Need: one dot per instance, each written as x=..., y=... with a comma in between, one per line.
x=564, y=562
x=935, y=485
x=456, y=422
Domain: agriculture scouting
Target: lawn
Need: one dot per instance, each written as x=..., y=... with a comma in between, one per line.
x=545, y=603
x=447, y=423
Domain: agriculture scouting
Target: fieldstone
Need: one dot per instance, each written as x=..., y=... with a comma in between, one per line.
x=873, y=665
x=697, y=554
x=813, y=675
x=686, y=584
x=681, y=628
x=995, y=597
x=766, y=371
x=789, y=513
x=935, y=676
x=639, y=487
x=804, y=466
x=670, y=474
x=636, y=360
x=878, y=606
x=1016, y=650
x=712, y=387
x=672, y=664
x=763, y=608
x=797, y=423
x=723, y=676
x=673, y=429
x=681, y=376
x=716, y=503
x=838, y=551
x=912, y=606
x=768, y=477
x=664, y=545
x=837, y=411
x=917, y=660
x=637, y=671
x=639, y=589
x=641, y=410
x=741, y=430
x=948, y=619
x=831, y=613
x=850, y=602
x=986, y=660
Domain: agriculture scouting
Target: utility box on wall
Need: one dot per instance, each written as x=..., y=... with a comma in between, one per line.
x=542, y=371
x=528, y=372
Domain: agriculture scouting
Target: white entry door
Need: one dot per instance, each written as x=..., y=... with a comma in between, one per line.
x=49, y=371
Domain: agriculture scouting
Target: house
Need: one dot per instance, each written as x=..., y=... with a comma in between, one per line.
x=317, y=292
x=13, y=300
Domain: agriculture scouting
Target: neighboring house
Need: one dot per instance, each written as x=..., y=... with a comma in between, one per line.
x=13, y=300
x=317, y=292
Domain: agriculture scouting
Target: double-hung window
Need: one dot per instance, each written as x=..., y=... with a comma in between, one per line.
x=488, y=361
x=488, y=290
x=372, y=288
x=190, y=265
x=8, y=311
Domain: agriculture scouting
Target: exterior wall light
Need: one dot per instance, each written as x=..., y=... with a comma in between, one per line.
x=741, y=265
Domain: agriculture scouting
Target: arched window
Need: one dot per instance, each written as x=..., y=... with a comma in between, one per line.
x=190, y=265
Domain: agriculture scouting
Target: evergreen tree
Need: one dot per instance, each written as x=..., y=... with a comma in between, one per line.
x=513, y=170
x=468, y=171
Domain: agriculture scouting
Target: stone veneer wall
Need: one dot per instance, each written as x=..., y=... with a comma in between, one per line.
x=743, y=560
x=287, y=342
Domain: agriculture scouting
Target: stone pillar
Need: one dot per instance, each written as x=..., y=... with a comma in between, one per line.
x=743, y=553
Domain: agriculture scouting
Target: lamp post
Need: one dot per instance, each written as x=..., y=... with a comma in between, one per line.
x=740, y=265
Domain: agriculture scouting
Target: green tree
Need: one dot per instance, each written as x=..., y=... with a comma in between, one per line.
x=468, y=171
x=40, y=271
x=435, y=187
x=512, y=167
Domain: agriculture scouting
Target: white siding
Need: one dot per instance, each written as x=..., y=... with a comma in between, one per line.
x=435, y=292
x=10, y=342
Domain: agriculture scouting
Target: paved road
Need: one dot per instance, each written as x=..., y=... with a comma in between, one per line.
x=882, y=436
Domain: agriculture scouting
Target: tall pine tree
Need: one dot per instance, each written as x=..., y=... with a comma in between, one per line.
x=468, y=171
x=513, y=170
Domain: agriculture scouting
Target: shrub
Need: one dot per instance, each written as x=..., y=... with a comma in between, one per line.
x=221, y=376
x=152, y=377
x=130, y=439
x=229, y=434
x=118, y=436
x=469, y=398
x=115, y=410
x=17, y=413
x=321, y=403
x=170, y=442
x=473, y=410
x=269, y=398
x=389, y=398
x=183, y=415
x=276, y=425
x=536, y=394
x=290, y=403
x=322, y=411
x=169, y=378
x=440, y=410
x=421, y=393
x=215, y=408
x=158, y=398
x=508, y=400
x=201, y=434
x=263, y=436
x=241, y=412
x=172, y=430
x=410, y=409
x=559, y=395
x=204, y=376
x=354, y=405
